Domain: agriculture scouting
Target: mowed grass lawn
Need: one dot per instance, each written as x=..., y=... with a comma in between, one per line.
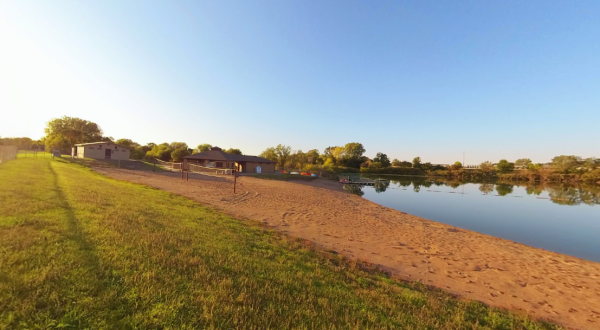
x=79, y=250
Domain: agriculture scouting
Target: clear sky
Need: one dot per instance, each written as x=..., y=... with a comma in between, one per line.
x=495, y=79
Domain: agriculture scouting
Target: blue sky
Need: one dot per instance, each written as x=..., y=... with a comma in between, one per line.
x=495, y=79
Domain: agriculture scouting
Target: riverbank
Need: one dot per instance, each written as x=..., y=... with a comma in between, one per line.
x=81, y=250
x=497, y=272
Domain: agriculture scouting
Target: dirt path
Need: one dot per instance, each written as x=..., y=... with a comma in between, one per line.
x=492, y=270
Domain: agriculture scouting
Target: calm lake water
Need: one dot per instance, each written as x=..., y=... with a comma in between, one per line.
x=557, y=217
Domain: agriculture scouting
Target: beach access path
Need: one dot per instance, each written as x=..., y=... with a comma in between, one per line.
x=496, y=271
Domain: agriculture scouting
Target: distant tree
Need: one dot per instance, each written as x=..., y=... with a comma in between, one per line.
x=234, y=151
x=523, y=162
x=283, y=153
x=504, y=166
x=591, y=163
x=565, y=164
x=396, y=162
x=312, y=156
x=375, y=164
x=406, y=164
x=179, y=153
x=202, y=148
x=140, y=152
x=107, y=139
x=269, y=154
x=382, y=159
x=456, y=166
x=62, y=133
x=127, y=143
x=354, y=150
x=22, y=143
x=416, y=163
x=160, y=151
x=486, y=166
x=535, y=167
x=337, y=153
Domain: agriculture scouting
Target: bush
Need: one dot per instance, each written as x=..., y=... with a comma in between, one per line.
x=593, y=176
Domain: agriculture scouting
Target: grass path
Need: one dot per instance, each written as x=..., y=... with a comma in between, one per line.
x=79, y=250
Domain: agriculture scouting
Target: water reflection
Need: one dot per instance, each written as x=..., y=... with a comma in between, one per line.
x=559, y=193
x=553, y=216
x=354, y=189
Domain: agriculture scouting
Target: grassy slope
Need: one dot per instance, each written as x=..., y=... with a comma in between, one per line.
x=81, y=250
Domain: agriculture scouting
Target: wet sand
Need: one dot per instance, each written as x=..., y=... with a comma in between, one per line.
x=496, y=271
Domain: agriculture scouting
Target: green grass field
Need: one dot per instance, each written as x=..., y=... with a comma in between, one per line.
x=79, y=250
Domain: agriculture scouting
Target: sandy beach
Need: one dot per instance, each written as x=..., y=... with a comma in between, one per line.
x=498, y=272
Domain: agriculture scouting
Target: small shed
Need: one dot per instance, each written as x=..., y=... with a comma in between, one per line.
x=100, y=150
x=217, y=158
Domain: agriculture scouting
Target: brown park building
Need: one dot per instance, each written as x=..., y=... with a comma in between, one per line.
x=217, y=158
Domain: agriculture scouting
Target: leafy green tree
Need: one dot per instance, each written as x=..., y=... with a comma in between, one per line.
x=283, y=153
x=23, y=143
x=416, y=163
x=269, y=154
x=337, y=153
x=382, y=159
x=312, y=156
x=523, y=162
x=127, y=143
x=375, y=165
x=160, y=151
x=234, y=151
x=406, y=164
x=504, y=166
x=535, y=167
x=486, y=166
x=395, y=162
x=426, y=166
x=456, y=166
x=179, y=153
x=354, y=150
x=202, y=148
x=565, y=164
x=63, y=133
x=140, y=151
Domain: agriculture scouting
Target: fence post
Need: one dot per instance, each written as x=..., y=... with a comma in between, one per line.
x=234, y=180
x=154, y=168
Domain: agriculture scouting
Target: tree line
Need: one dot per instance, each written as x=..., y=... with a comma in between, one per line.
x=62, y=133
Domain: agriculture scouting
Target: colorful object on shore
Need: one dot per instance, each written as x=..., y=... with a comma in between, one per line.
x=305, y=173
x=314, y=175
x=344, y=181
x=295, y=173
x=284, y=172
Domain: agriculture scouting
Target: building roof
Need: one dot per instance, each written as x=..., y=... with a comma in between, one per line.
x=216, y=153
x=93, y=143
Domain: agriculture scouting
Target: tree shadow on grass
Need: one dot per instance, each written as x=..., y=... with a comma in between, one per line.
x=90, y=285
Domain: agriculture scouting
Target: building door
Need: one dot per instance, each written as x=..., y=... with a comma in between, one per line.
x=107, y=153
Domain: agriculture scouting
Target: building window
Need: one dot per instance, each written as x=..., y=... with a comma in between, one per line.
x=115, y=147
x=219, y=164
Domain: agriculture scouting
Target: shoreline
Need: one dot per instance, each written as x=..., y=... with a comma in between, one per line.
x=496, y=271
